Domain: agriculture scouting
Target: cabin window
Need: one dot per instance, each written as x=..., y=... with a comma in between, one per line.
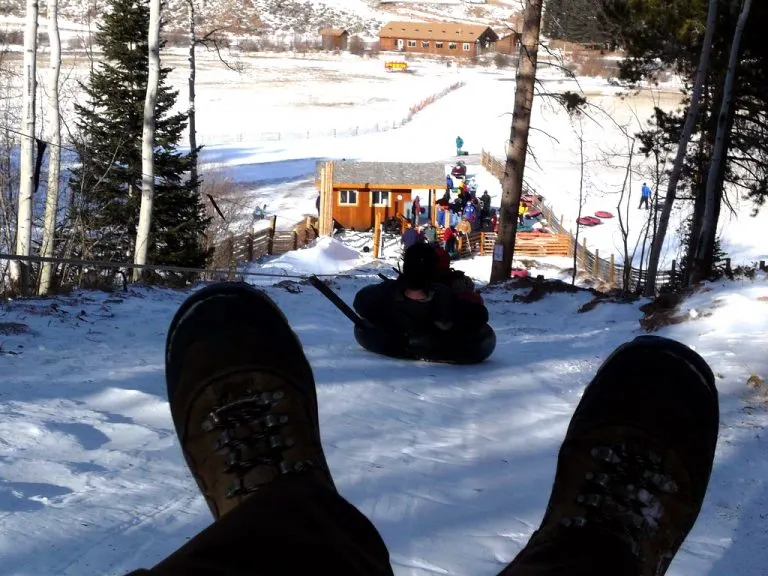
x=411, y=43
x=379, y=197
x=466, y=46
x=451, y=45
x=347, y=197
x=425, y=43
x=438, y=44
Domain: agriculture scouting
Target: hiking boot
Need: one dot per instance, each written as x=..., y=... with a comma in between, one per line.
x=633, y=468
x=242, y=395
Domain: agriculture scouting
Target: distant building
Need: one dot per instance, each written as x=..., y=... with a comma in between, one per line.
x=334, y=38
x=508, y=44
x=444, y=38
x=352, y=193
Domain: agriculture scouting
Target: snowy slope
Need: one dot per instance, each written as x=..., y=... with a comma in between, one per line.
x=452, y=464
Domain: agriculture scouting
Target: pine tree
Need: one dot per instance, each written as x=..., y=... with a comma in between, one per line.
x=107, y=185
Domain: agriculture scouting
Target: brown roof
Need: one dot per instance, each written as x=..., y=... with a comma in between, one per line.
x=391, y=174
x=332, y=32
x=436, y=31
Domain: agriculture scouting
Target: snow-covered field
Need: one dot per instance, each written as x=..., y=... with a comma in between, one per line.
x=452, y=464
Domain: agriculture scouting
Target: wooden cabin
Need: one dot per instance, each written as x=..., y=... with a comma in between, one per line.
x=352, y=193
x=460, y=40
x=334, y=39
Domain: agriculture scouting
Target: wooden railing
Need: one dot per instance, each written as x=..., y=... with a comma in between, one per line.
x=251, y=246
x=598, y=268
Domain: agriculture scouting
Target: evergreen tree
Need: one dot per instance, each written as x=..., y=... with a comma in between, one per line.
x=107, y=185
x=669, y=33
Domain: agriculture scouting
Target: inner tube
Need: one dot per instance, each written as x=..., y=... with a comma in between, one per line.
x=587, y=221
x=436, y=347
x=603, y=214
x=519, y=273
x=533, y=213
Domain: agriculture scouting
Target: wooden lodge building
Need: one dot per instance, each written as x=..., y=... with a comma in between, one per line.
x=354, y=193
x=443, y=38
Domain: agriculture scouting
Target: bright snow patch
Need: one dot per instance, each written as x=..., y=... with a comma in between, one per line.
x=327, y=256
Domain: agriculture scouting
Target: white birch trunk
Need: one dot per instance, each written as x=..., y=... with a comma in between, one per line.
x=682, y=148
x=54, y=157
x=706, y=241
x=148, y=140
x=20, y=270
x=192, y=121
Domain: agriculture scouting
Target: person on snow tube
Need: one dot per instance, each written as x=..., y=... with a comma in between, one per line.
x=415, y=317
x=461, y=284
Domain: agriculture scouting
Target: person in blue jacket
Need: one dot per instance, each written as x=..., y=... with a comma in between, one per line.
x=448, y=184
x=645, y=197
x=459, y=145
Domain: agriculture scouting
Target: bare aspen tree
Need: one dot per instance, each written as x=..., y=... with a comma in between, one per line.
x=580, y=134
x=148, y=140
x=517, y=147
x=705, y=243
x=20, y=271
x=191, y=81
x=682, y=148
x=54, y=157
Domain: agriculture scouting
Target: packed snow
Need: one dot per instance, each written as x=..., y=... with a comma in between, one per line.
x=452, y=464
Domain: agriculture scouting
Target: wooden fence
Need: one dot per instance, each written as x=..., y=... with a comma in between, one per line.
x=251, y=246
x=598, y=268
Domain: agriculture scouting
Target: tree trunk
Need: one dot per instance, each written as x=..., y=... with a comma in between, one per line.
x=193, y=175
x=54, y=157
x=20, y=271
x=517, y=147
x=703, y=256
x=148, y=141
x=581, y=205
x=682, y=148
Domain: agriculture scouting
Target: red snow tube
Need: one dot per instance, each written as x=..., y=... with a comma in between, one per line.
x=589, y=221
x=603, y=214
x=519, y=273
x=533, y=213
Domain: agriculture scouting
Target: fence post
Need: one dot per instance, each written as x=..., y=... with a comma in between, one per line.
x=271, y=234
x=596, y=267
x=482, y=243
x=584, y=252
x=249, y=246
x=376, y=234
x=295, y=240
x=612, y=272
x=762, y=264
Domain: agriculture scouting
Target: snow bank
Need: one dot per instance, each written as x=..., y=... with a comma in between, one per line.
x=327, y=256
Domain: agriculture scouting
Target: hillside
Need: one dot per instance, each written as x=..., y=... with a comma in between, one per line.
x=251, y=17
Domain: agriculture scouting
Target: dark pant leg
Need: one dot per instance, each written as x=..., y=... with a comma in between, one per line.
x=567, y=552
x=295, y=526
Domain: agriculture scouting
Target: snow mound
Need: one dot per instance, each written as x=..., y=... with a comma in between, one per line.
x=327, y=256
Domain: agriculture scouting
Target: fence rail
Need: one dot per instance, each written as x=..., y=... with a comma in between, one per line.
x=598, y=268
x=381, y=126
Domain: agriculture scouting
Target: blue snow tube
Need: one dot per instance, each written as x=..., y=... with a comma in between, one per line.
x=442, y=347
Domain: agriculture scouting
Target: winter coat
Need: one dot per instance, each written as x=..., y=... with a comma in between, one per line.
x=411, y=237
x=430, y=234
x=448, y=234
x=645, y=191
x=470, y=212
x=459, y=142
x=449, y=182
x=486, y=200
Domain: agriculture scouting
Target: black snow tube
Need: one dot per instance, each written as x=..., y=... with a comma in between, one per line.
x=438, y=347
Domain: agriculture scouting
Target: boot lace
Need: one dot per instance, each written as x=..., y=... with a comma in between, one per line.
x=252, y=425
x=623, y=492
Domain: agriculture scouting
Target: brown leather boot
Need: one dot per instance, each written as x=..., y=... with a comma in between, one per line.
x=242, y=395
x=634, y=466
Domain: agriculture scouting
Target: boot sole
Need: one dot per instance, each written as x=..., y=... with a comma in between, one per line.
x=257, y=300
